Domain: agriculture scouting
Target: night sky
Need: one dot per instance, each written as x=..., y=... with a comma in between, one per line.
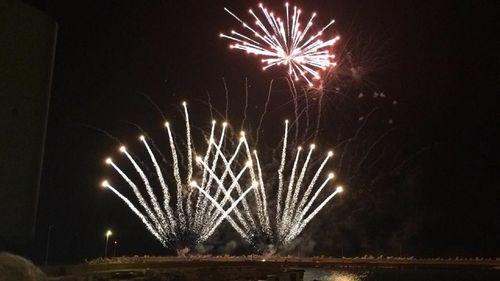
x=438, y=62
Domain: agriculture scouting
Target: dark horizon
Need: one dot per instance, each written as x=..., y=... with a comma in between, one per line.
x=436, y=62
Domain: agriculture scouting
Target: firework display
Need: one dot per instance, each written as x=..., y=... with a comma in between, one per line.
x=185, y=222
x=225, y=180
x=291, y=214
x=183, y=201
x=286, y=42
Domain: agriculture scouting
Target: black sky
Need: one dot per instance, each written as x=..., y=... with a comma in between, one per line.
x=440, y=70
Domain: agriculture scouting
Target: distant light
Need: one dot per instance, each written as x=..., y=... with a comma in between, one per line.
x=340, y=189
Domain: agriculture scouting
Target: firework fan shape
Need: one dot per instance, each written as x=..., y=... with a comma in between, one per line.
x=297, y=195
x=185, y=221
x=285, y=42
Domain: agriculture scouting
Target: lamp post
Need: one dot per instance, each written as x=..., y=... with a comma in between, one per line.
x=114, y=249
x=48, y=244
x=108, y=233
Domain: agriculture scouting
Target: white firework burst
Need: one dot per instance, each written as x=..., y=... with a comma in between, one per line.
x=286, y=42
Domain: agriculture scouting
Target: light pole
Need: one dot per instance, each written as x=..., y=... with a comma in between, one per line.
x=108, y=233
x=114, y=249
x=48, y=244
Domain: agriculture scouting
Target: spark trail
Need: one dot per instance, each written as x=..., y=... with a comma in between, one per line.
x=177, y=220
x=188, y=213
x=292, y=215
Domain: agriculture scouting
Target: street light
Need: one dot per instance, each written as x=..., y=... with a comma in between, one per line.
x=114, y=249
x=48, y=244
x=108, y=233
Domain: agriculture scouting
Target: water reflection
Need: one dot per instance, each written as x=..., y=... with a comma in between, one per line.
x=404, y=274
x=312, y=274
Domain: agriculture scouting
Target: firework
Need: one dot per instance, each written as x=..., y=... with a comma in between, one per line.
x=292, y=215
x=191, y=219
x=286, y=42
x=216, y=182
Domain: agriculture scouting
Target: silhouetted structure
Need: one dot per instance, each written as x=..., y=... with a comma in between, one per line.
x=27, y=47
